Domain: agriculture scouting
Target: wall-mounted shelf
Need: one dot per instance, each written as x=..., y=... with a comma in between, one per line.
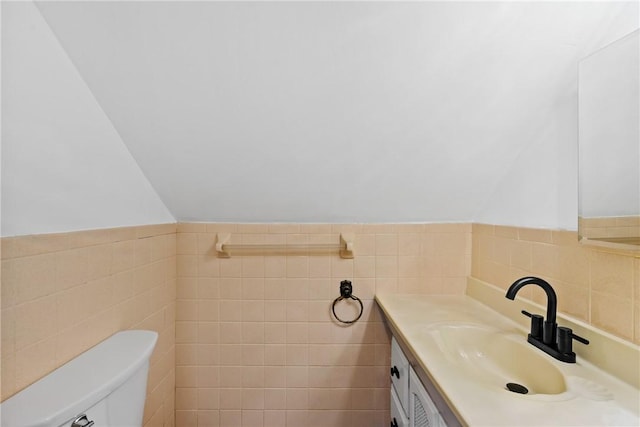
x=224, y=249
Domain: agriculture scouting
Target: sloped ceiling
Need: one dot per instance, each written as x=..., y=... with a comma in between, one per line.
x=337, y=111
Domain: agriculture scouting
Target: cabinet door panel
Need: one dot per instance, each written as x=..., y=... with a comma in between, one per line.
x=400, y=374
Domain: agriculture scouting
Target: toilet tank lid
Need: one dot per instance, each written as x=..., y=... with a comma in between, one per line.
x=80, y=383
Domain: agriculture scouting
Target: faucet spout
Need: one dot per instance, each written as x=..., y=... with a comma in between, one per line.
x=552, y=299
x=550, y=326
x=545, y=333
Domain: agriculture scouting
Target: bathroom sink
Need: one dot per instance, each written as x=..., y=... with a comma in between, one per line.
x=497, y=358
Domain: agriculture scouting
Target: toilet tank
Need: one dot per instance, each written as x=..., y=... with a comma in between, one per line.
x=108, y=383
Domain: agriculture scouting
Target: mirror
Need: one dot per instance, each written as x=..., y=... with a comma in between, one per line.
x=609, y=145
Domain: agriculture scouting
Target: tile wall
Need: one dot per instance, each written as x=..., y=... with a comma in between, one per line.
x=595, y=285
x=616, y=227
x=255, y=341
x=64, y=293
x=249, y=340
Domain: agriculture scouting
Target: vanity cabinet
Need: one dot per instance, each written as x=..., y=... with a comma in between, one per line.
x=422, y=410
x=411, y=405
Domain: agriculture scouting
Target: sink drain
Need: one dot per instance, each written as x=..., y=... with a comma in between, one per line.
x=517, y=388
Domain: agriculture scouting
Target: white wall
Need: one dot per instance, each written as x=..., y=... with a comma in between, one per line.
x=346, y=111
x=610, y=130
x=64, y=166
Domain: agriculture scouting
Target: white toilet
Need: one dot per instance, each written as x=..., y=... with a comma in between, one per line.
x=104, y=387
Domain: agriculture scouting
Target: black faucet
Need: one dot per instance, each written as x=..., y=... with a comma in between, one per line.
x=545, y=333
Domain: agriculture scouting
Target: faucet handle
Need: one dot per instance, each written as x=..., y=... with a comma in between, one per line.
x=536, y=324
x=565, y=340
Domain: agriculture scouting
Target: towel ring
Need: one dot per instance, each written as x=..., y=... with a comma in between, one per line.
x=346, y=292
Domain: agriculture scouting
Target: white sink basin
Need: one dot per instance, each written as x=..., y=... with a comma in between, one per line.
x=496, y=358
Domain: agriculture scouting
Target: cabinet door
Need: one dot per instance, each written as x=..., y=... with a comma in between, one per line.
x=398, y=417
x=422, y=410
x=400, y=374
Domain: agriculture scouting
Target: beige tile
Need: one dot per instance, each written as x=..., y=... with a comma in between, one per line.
x=206, y=244
x=574, y=265
x=387, y=244
x=35, y=361
x=253, y=288
x=297, y=311
x=208, y=398
x=209, y=265
x=297, y=399
x=386, y=266
x=208, y=418
x=341, y=268
x=275, y=354
x=24, y=246
x=253, y=267
x=274, y=311
x=230, y=398
x=253, y=398
x=297, y=332
x=613, y=314
x=207, y=310
x=330, y=398
x=208, y=354
x=275, y=398
x=365, y=244
x=253, y=311
x=275, y=289
x=273, y=377
x=122, y=255
x=520, y=254
x=231, y=267
x=297, y=266
x=320, y=266
x=230, y=288
x=8, y=376
x=230, y=354
x=612, y=274
x=506, y=232
x=186, y=332
x=142, y=251
x=636, y=322
x=187, y=265
x=573, y=300
x=231, y=310
x=253, y=332
x=209, y=288
x=230, y=418
x=409, y=244
x=252, y=418
x=275, y=333
x=208, y=377
x=409, y=266
x=253, y=376
x=386, y=284
x=545, y=260
x=186, y=354
x=208, y=332
x=275, y=267
x=186, y=376
x=296, y=376
x=186, y=398
x=535, y=235
x=231, y=376
x=33, y=277
x=99, y=261
x=296, y=289
x=186, y=418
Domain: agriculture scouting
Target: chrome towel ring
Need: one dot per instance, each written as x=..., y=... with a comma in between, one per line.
x=346, y=290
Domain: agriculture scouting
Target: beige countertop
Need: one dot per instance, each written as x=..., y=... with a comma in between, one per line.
x=592, y=396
